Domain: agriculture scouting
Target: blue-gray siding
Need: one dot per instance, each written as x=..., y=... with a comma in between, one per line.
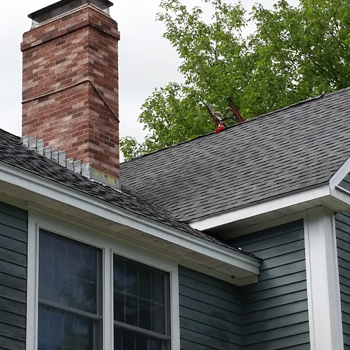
x=209, y=313
x=274, y=310
x=345, y=183
x=343, y=244
x=13, y=275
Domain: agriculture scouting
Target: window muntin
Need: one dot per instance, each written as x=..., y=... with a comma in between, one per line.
x=73, y=313
x=141, y=306
x=69, y=315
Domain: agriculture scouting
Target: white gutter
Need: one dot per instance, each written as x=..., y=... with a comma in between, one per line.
x=89, y=204
x=323, y=193
x=262, y=208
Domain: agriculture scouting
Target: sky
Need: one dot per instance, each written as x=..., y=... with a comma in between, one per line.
x=146, y=59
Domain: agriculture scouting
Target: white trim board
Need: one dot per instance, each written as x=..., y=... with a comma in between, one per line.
x=32, y=188
x=262, y=208
x=339, y=175
x=330, y=195
x=323, y=290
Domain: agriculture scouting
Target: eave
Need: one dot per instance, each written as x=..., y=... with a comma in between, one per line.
x=38, y=193
x=278, y=210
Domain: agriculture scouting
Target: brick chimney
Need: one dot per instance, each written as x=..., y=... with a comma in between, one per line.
x=70, y=84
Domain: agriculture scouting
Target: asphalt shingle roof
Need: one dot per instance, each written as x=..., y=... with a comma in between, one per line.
x=14, y=153
x=282, y=152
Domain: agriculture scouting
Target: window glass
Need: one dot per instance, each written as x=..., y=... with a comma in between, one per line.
x=69, y=293
x=64, y=331
x=141, y=300
x=70, y=299
x=124, y=339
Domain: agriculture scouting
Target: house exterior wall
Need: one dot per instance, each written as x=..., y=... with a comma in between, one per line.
x=13, y=277
x=274, y=310
x=209, y=312
x=213, y=314
x=342, y=222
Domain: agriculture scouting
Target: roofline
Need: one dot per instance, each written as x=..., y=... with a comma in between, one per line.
x=59, y=193
x=260, y=208
x=339, y=175
x=267, y=114
x=328, y=194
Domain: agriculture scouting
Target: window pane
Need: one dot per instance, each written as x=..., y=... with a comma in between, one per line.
x=140, y=295
x=128, y=340
x=158, y=318
x=131, y=280
x=68, y=272
x=146, y=314
x=145, y=280
x=64, y=331
x=131, y=310
x=119, y=303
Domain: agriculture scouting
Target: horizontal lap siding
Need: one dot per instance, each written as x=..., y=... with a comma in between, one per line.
x=342, y=223
x=274, y=310
x=13, y=277
x=209, y=313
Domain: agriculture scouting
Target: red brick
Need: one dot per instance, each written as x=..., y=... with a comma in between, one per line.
x=55, y=56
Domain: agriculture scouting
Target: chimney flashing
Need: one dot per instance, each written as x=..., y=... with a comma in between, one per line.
x=64, y=7
x=60, y=157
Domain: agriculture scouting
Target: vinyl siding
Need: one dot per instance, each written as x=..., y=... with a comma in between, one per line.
x=342, y=223
x=274, y=310
x=209, y=313
x=13, y=274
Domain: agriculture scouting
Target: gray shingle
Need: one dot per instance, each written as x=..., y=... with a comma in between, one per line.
x=14, y=153
x=286, y=151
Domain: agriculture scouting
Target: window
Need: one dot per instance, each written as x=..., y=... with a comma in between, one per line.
x=69, y=311
x=141, y=306
x=70, y=298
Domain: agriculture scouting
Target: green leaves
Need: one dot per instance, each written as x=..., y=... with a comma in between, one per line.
x=295, y=53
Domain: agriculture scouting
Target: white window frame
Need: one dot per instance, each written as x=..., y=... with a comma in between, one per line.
x=109, y=245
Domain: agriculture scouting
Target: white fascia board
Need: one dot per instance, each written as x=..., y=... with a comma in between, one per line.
x=342, y=195
x=71, y=197
x=261, y=208
x=339, y=175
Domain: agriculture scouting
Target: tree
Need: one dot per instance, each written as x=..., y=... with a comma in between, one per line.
x=295, y=53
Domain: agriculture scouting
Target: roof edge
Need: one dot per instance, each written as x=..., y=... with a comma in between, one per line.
x=262, y=208
x=232, y=261
x=312, y=99
x=339, y=175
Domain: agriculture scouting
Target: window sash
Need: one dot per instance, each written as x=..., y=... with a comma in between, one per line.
x=109, y=244
x=142, y=331
x=64, y=309
x=147, y=281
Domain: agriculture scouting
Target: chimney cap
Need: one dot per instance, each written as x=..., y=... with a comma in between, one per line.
x=61, y=7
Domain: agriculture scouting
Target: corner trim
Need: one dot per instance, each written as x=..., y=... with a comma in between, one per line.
x=322, y=278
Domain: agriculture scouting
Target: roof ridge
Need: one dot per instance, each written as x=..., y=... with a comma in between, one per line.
x=309, y=100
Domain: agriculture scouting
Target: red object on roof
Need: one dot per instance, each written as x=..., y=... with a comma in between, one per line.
x=221, y=126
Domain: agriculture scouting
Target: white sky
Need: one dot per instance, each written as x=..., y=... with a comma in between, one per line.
x=146, y=60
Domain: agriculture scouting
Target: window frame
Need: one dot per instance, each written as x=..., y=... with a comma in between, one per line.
x=164, y=337
x=109, y=243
